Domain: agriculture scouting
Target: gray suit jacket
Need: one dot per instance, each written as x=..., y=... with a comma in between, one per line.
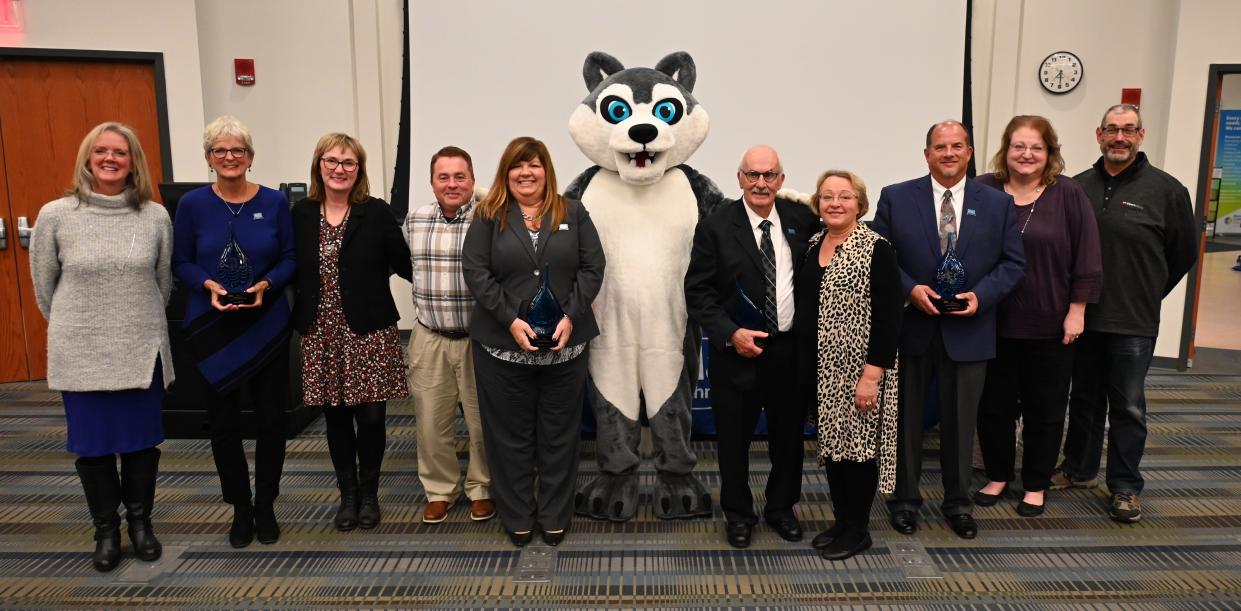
x=503, y=271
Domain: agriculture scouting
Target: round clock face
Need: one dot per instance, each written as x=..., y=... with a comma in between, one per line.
x=1061, y=72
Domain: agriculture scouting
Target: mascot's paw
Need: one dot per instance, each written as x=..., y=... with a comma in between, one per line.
x=609, y=496
x=679, y=496
x=793, y=195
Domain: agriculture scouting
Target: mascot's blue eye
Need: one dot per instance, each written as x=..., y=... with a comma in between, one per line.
x=615, y=109
x=669, y=111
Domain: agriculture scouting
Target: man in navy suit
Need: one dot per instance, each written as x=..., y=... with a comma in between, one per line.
x=920, y=217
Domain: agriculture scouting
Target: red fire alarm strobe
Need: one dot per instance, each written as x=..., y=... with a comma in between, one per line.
x=244, y=68
x=1131, y=96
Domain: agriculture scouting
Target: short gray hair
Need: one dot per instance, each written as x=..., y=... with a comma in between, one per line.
x=225, y=127
x=1119, y=108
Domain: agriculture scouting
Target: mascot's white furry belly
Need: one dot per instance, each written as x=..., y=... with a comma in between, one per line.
x=647, y=232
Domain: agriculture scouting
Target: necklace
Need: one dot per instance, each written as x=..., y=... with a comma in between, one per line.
x=323, y=211
x=1033, y=205
x=532, y=218
x=229, y=205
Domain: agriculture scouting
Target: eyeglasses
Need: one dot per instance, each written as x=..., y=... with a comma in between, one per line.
x=1022, y=149
x=115, y=153
x=769, y=175
x=237, y=153
x=332, y=163
x=1128, y=130
x=844, y=197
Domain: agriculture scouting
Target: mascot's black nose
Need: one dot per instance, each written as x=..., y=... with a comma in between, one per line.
x=643, y=133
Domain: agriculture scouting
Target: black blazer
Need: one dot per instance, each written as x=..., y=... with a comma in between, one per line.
x=503, y=272
x=372, y=250
x=724, y=251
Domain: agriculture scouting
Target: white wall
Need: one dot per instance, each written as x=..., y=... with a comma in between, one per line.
x=165, y=26
x=1207, y=34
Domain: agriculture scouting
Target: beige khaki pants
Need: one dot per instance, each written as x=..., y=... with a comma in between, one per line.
x=441, y=375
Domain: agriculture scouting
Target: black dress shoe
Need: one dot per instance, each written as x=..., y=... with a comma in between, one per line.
x=825, y=538
x=1029, y=510
x=963, y=524
x=847, y=545
x=738, y=534
x=904, y=521
x=521, y=539
x=553, y=539
x=787, y=527
x=982, y=499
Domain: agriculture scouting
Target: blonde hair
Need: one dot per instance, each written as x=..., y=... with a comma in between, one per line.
x=138, y=186
x=863, y=202
x=495, y=205
x=361, y=187
x=224, y=127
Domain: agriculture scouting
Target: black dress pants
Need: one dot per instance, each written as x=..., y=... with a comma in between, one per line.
x=532, y=422
x=736, y=413
x=1028, y=379
x=959, y=389
x=853, y=486
x=266, y=391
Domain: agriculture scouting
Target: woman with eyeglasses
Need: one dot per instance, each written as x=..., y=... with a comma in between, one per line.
x=233, y=246
x=848, y=328
x=349, y=243
x=104, y=249
x=1041, y=319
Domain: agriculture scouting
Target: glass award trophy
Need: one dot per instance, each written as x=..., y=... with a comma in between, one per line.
x=950, y=280
x=544, y=313
x=235, y=273
x=747, y=315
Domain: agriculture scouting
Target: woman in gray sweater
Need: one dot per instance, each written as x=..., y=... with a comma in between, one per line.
x=100, y=261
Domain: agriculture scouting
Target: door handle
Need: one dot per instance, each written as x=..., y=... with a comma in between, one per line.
x=4, y=235
x=23, y=231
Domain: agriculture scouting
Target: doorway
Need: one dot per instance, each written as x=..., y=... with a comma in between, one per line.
x=1214, y=319
x=49, y=99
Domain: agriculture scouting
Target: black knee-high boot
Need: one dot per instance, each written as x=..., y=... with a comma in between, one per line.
x=103, y=495
x=342, y=447
x=372, y=437
x=138, y=472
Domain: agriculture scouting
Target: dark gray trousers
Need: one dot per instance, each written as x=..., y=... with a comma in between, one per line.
x=532, y=422
x=960, y=388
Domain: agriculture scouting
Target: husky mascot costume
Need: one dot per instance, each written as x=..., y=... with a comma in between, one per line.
x=639, y=126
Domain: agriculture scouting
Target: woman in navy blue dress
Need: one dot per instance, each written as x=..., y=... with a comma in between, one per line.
x=233, y=243
x=105, y=248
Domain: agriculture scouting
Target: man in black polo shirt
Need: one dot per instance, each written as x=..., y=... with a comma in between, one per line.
x=1149, y=239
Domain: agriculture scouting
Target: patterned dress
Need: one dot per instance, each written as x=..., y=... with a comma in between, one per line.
x=340, y=367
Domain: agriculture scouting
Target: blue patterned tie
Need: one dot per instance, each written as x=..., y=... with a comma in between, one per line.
x=769, y=277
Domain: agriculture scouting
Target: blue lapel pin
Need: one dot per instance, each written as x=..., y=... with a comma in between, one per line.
x=970, y=212
x=791, y=231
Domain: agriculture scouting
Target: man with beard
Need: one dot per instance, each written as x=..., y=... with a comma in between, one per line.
x=753, y=245
x=921, y=217
x=1149, y=239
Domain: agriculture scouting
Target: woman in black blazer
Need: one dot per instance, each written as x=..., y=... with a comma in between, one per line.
x=348, y=244
x=525, y=235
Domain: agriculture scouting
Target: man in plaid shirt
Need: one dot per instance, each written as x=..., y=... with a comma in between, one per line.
x=441, y=369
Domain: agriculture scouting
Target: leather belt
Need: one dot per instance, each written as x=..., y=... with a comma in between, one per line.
x=447, y=334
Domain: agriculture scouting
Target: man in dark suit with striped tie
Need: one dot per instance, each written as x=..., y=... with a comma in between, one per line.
x=753, y=243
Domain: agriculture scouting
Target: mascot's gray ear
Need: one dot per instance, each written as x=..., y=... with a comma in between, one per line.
x=598, y=66
x=679, y=66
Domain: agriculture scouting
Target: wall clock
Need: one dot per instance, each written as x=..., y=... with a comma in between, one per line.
x=1061, y=72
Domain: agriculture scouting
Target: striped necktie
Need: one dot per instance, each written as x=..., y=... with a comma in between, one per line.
x=769, y=277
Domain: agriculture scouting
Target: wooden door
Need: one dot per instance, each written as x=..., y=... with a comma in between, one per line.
x=46, y=106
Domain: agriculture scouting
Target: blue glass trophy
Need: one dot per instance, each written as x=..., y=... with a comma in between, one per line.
x=950, y=280
x=747, y=315
x=544, y=313
x=235, y=273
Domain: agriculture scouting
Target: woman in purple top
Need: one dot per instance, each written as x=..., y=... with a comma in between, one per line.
x=1042, y=318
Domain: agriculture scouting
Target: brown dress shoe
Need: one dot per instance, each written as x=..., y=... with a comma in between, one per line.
x=482, y=509
x=435, y=512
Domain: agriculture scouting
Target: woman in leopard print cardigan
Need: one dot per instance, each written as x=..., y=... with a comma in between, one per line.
x=848, y=324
